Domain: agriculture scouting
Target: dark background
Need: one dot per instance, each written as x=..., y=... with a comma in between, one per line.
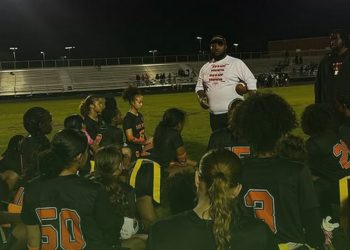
x=110, y=28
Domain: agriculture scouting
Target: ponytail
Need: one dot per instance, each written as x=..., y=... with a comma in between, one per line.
x=220, y=211
x=220, y=170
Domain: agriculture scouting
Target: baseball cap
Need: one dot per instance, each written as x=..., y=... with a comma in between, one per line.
x=218, y=39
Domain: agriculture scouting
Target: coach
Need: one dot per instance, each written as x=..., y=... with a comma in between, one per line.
x=217, y=81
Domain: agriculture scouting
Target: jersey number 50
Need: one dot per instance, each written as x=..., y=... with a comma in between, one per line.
x=263, y=204
x=71, y=236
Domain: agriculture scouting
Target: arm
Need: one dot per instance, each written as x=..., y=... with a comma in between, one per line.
x=131, y=138
x=146, y=211
x=201, y=92
x=33, y=237
x=246, y=76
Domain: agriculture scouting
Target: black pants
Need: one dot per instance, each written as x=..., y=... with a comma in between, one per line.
x=218, y=121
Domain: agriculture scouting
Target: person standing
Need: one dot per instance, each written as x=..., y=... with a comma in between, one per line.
x=217, y=81
x=334, y=70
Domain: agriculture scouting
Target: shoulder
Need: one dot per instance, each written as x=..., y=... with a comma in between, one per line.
x=175, y=221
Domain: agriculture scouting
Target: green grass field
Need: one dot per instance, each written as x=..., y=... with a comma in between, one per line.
x=196, y=132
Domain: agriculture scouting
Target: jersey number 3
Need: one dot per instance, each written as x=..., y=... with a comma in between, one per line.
x=264, y=206
x=71, y=236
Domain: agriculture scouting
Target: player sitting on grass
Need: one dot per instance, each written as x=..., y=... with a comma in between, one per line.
x=90, y=109
x=109, y=168
x=168, y=147
x=325, y=151
x=228, y=137
x=218, y=221
x=279, y=190
x=63, y=210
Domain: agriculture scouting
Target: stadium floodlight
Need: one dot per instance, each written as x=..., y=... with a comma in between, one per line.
x=43, y=54
x=236, y=46
x=199, y=38
x=14, y=52
x=153, y=51
x=69, y=48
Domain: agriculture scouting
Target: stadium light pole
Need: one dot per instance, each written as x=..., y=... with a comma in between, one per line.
x=153, y=51
x=236, y=47
x=43, y=54
x=14, y=55
x=69, y=48
x=14, y=52
x=199, y=38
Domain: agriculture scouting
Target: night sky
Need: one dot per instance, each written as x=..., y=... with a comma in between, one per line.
x=110, y=28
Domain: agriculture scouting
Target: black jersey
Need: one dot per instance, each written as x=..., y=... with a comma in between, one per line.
x=188, y=231
x=279, y=190
x=93, y=128
x=145, y=178
x=137, y=125
x=73, y=212
x=164, y=150
x=31, y=146
x=328, y=156
x=224, y=138
x=112, y=136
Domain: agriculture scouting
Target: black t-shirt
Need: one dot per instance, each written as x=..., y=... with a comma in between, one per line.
x=30, y=148
x=94, y=127
x=224, y=138
x=188, y=231
x=165, y=150
x=328, y=156
x=146, y=178
x=112, y=136
x=333, y=75
x=137, y=124
x=73, y=212
x=279, y=190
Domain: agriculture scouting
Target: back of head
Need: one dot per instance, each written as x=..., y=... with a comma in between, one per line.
x=130, y=93
x=36, y=121
x=171, y=119
x=316, y=119
x=66, y=145
x=220, y=170
x=110, y=102
x=108, y=115
x=292, y=147
x=107, y=160
x=73, y=122
x=263, y=119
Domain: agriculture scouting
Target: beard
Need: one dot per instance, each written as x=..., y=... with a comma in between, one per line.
x=218, y=57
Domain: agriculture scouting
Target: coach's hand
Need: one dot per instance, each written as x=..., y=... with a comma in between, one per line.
x=203, y=99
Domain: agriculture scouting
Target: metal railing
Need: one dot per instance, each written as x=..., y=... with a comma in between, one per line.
x=98, y=62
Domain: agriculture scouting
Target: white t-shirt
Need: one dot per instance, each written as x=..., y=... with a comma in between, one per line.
x=219, y=79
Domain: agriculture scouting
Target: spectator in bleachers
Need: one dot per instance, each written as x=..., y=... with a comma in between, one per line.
x=279, y=190
x=218, y=221
x=217, y=81
x=76, y=209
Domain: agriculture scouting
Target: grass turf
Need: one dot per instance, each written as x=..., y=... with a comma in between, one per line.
x=196, y=131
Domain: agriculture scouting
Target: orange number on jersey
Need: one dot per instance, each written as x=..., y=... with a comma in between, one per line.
x=48, y=232
x=72, y=237
x=341, y=149
x=264, y=206
x=69, y=223
x=241, y=151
